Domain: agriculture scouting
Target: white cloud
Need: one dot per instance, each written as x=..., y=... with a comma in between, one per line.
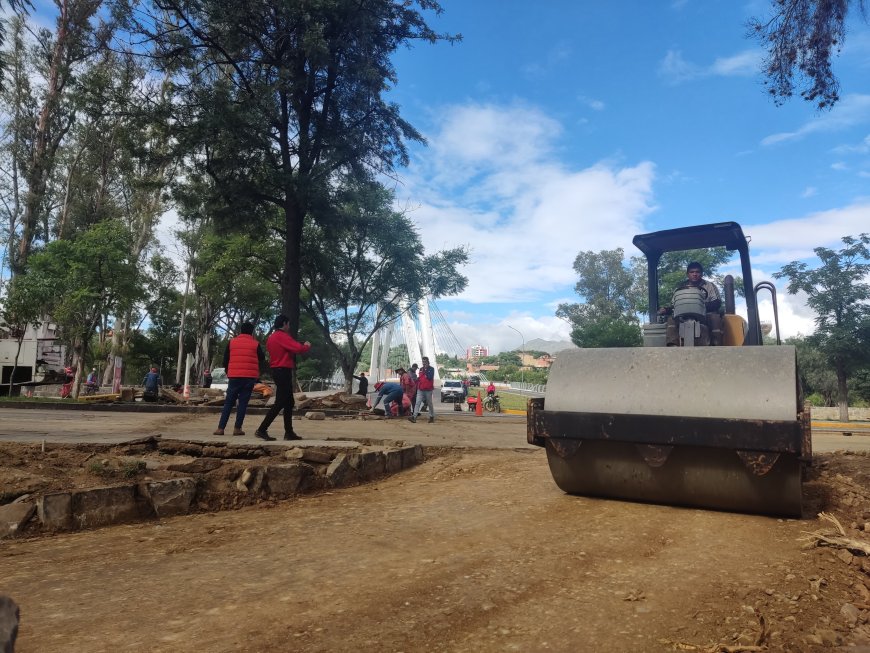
x=839, y=166
x=592, y=103
x=809, y=191
x=861, y=148
x=741, y=64
x=782, y=241
x=491, y=180
x=852, y=110
x=497, y=336
x=676, y=69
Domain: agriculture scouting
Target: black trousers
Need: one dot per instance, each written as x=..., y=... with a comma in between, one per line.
x=283, y=377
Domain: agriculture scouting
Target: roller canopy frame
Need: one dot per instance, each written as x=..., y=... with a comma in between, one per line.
x=720, y=234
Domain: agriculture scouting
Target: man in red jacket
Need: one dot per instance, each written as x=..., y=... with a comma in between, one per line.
x=242, y=360
x=282, y=349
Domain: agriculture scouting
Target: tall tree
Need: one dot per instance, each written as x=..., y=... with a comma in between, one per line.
x=838, y=292
x=77, y=37
x=282, y=95
x=606, y=318
x=362, y=263
x=801, y=37
x=92, y=275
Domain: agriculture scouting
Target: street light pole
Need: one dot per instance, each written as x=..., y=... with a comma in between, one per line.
x=523, y=356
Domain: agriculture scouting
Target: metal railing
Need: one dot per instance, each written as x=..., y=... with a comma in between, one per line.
x=317, y=385
x=528, y=388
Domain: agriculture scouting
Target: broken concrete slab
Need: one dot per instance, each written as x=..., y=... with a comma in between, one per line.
x=340, y=473
x=368, y=465
x=104, y=505
x=412, y=455
x=14, y=517
x=55, y=511
x=318, y=456
x=198, y=466
x=392, y=461
x=316, y=415
x=285, y=480
x=251, y=479
x=179, y=447
x=170, y=497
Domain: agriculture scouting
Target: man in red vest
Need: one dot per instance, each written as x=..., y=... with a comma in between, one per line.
x=242, y=360
x=282, y=359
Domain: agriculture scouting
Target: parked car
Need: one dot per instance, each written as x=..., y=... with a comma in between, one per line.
x=219, y=380
x=451, y=390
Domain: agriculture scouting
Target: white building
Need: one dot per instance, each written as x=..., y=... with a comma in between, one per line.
x=41, y=353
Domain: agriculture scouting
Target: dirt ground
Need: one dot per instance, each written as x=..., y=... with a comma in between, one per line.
x=475, y=550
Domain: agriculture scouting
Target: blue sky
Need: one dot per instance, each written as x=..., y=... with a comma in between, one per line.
x=557, y=127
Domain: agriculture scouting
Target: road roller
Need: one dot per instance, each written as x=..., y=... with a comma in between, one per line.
x=691, y=418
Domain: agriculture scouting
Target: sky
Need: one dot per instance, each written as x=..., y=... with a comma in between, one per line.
x=557, y=127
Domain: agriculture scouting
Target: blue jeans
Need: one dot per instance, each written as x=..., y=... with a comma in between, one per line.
x=424, y=397
x=393, y=397
x=237, y=388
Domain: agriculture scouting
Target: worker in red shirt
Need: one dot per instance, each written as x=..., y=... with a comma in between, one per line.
x=242, y=360
x=282, y=349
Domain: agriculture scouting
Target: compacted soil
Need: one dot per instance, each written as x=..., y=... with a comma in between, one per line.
x=474, y=550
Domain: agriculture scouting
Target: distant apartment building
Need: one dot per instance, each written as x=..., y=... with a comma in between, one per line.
x=475, y=352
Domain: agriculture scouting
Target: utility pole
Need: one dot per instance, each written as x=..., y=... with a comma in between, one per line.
x=522, y=356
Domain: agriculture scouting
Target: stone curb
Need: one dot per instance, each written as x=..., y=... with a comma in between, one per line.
x=159, y=408
x=82, y=509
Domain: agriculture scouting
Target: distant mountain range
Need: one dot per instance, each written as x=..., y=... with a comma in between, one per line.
x=549, y=346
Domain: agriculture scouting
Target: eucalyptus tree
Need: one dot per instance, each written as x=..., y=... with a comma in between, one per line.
x=838, y=292
x=78, y=36
x=363, y=263
x=276, y=97
x=18, y=107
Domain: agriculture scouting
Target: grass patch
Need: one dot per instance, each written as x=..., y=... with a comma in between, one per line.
x=132, y=468
x=508, y=400
x=98, y=468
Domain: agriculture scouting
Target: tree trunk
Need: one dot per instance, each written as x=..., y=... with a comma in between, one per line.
x=842, y=392
x=114, y=350
x=181, y=328
x=15, y=362
x=291, y=279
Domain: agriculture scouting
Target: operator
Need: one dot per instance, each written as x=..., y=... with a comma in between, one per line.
x=712, y=302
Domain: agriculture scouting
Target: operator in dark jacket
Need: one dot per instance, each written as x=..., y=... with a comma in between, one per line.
x=242, y=360
x=363, y=384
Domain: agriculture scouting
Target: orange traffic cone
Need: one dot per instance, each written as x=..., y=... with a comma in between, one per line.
x=478, y=409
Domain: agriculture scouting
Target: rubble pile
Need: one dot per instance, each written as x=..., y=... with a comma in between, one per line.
x=335, y=401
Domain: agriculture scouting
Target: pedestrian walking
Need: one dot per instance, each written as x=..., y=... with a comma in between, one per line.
x=425, y=386
x=242, y=360
x=282, y=349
